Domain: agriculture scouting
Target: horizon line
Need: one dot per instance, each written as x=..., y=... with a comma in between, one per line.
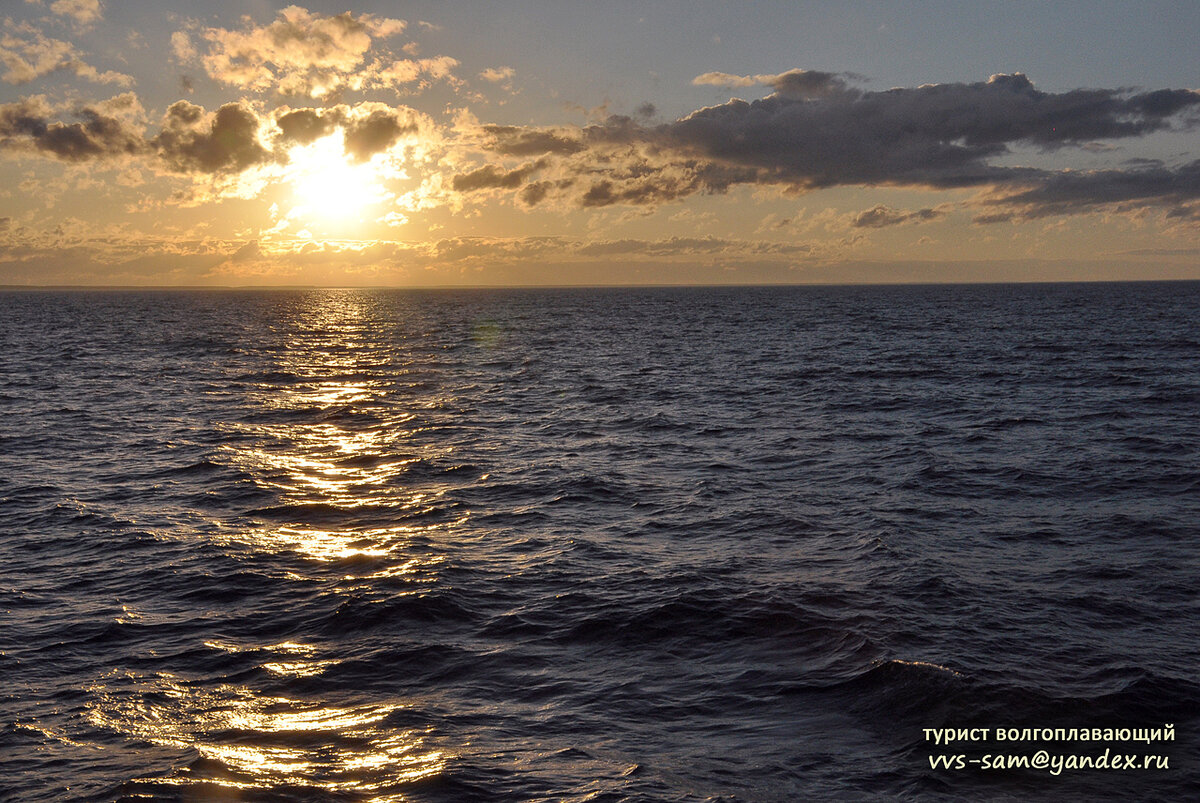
x=629, y=286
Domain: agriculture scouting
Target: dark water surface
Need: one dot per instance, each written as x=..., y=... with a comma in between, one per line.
x=596, y=545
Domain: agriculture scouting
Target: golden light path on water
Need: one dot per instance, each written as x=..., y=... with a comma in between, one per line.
x=338, y=469
x=266, y=741
x=309, y=447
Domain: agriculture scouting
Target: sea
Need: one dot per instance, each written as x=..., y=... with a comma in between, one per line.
x=928, y=543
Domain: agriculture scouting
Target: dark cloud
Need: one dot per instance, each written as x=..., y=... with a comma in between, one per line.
x=515, y=141
x=646, y=191
x=367, y=128
x=1078, y=191
x=1162, y=252
x=691, y=246
x=804, y=84
x=533, y=194
x=96, y=135
x=190, y=143
x=454, y=249
x=642, y=181
x=376, y=132
x=793, y=84
x=302, y=126
x=817, y=131
x=673, y=245
x=101, y=131
x=26, y=117
x=496, y=248
x=1164, y=102
x=940, y=135
x=1186, y=212
x=881, y=216
x=492, y=177
x=194, y=140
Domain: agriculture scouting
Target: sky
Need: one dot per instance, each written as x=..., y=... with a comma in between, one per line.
x=247, y=143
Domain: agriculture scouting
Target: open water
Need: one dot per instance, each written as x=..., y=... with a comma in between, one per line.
x=740, y=544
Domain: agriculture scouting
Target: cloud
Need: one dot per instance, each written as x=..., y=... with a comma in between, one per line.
x=224, y=144
x=302, y=126
x=107, y=129
x=725, y=79
x=942, y=135
x=374, y=127
x=815, y=131
x=367, y=128
x=308, y=54
x=182, y=47
x=1162, y=252
x=491, y=249
x=533, y=194
x=640, y=182
x=516, y=141
x=1073, y=191
x=690, y=246
x=454, y=249
x=795, y=84
x=83, y=12
x=407, y=71
x=496, y=75
x=881, y=216
x=490, y=176
x=27, y=54
x=300, y=52
x=191, y=140
x=194, y=141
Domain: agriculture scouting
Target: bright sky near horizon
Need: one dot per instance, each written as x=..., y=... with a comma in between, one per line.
x=244, y=142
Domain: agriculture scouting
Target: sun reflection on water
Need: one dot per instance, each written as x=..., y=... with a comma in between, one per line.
x=327, y=444
x=264, y=741
x=335, y=446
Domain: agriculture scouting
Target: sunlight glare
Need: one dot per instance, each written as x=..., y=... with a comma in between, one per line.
x=330, y=188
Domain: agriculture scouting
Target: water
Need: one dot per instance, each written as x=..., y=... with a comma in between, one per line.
x=647, y=545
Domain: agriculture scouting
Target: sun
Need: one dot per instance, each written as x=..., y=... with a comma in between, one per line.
x=328, y=187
